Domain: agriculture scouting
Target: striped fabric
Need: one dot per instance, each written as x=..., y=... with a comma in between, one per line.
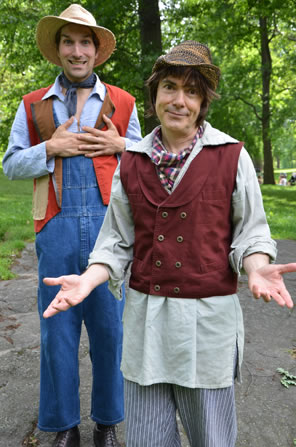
x=208, y=415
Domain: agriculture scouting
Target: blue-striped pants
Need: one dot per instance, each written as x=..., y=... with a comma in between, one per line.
x=208, y=415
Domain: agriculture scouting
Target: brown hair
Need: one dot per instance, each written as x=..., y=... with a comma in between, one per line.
x=192, y=76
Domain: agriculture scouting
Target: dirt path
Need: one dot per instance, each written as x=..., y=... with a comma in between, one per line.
x=266, y=410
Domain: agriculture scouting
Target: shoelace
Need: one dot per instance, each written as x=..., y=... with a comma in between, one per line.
x=110, y=437
x=63, y=439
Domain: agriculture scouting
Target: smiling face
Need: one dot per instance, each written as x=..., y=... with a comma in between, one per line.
x=177, y=106
x=77, y=52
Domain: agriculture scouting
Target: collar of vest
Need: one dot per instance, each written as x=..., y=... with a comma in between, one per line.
x=41, y=127
x=192, y=183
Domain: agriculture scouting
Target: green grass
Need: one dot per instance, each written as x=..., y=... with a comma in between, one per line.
x=16, y=224
x=280, y=208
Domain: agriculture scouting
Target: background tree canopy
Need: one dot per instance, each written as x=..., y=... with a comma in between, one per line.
x=252, y=41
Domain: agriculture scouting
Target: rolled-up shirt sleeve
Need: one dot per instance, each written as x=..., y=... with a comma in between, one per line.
x=251, y=233
x=114, y=245
x=21, y=160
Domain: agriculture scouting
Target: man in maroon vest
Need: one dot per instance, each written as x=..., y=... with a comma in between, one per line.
x=186, y=212
x=67, y=137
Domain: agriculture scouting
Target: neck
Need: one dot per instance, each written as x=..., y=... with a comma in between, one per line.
x=68, y=81
x=176, y=143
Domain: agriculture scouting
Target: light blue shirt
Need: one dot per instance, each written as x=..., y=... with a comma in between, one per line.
x=22, y=160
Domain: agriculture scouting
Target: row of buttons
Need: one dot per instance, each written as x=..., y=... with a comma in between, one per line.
x=161, y=238
x=157, y=289
x=178, y=264
x=179, y=239
x=165, y=214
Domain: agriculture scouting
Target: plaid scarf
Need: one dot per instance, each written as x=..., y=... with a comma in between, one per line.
x=168, y=164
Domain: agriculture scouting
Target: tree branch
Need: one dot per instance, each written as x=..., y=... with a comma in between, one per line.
x=250, y=105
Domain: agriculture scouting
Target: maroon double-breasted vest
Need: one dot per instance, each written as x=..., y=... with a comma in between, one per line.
x=182, y=240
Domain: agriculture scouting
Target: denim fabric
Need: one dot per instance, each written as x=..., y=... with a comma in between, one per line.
x=63, y=247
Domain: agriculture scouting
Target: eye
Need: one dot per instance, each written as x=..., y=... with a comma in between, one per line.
x=192, y=91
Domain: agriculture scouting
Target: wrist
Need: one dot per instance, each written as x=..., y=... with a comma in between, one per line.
x=49, y=149
x=122, y=144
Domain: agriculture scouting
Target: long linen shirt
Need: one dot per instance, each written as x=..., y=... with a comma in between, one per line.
x=188, y=342
x=22, y=160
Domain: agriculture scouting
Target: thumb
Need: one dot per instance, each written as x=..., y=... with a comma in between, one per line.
x=67, y=123
x=53, y=281
x=288, y=268
x=109, y=123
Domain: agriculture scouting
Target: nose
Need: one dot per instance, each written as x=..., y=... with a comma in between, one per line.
x=77, y=50
x=179, y=98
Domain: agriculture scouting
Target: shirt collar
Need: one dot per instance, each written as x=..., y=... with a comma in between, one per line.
x=56, y=90
x=159, y=146
x=211, y=137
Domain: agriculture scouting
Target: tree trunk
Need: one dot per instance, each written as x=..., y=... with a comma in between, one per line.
x=151, y=46
x=266, y=67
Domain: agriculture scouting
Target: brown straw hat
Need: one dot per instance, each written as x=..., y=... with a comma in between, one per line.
x=192, y=54
x=48, y=26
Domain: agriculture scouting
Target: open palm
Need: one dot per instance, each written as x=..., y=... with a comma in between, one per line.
x=267, y=282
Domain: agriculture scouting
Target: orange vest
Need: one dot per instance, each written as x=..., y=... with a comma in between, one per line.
x=118, y=106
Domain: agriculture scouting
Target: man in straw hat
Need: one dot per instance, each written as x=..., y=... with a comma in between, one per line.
x=68, y=137
x=187, y=234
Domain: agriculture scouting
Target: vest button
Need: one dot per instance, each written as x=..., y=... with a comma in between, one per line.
x=183, y=215
x=180, y=239
x=176, y=290
x=178, y=264
x=157, y=288
x=160, y=237
x=164, y=214
x=158, y=263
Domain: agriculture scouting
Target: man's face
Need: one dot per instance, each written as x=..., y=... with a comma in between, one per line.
x=77, y=52
x=177, y=106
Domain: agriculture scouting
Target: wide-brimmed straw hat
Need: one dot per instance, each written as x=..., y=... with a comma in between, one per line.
x=49, y=25
x=191, y=54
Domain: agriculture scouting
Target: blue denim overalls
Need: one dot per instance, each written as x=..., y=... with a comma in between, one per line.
x=63, y=247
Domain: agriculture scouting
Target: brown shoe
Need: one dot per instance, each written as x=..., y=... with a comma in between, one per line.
x=68, y=438
x=105, y=436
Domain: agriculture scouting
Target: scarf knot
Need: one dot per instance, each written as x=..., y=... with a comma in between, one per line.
x=71, y=90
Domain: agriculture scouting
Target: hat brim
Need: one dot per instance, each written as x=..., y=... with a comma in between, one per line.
x=211, y=72
x=48, y=27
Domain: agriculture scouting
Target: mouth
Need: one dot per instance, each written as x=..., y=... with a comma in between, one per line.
x=77, y=63
x=177, y=114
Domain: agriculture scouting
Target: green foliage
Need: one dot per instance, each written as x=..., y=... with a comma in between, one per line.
x=287, y=378
x=16, y=225
x=229, y=27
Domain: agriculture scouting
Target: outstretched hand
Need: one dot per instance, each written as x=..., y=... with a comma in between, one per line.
x=95, y=142
x=73, y=291
x=267, y=282
x=74, y=288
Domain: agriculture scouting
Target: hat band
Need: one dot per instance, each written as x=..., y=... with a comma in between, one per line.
x=78, y=19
